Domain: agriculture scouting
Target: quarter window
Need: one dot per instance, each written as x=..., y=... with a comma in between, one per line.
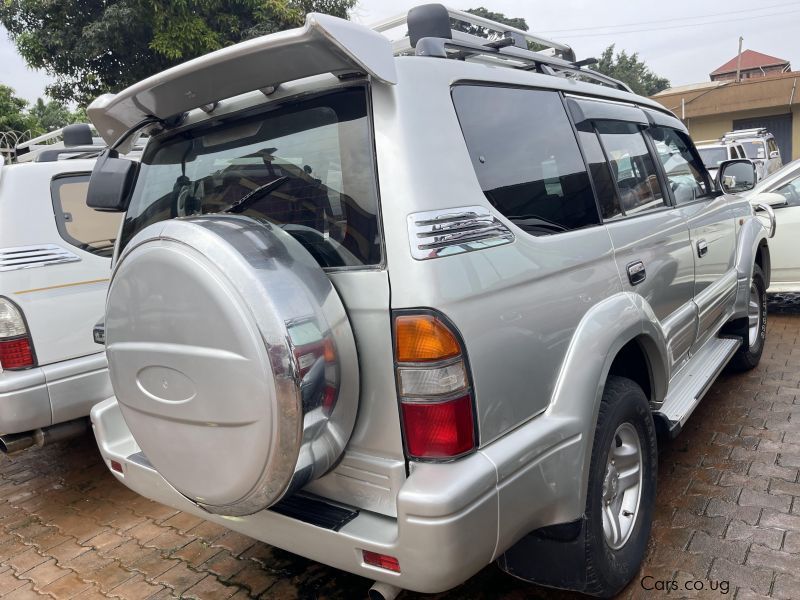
x=78, y=224
x=684, y=171
x=526, y=157
x=632, y=166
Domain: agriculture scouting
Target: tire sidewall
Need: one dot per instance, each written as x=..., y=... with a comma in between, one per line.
x=758, y=347
x=623, y=401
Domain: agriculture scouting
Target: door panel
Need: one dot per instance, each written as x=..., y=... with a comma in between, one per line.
x=783, y=248
x=660, y=240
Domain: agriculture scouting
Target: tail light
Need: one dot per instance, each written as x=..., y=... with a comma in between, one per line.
x=433, y=382
x=16, y=347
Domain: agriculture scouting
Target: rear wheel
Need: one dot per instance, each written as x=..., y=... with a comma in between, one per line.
x=622, y=488
x=753, y=330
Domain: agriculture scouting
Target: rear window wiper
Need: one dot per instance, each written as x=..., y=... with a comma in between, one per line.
x=245, y=200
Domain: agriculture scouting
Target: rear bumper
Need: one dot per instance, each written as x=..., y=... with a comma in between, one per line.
x=453, y=519
x=52, y=393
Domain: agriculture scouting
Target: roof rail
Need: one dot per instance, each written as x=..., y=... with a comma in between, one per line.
x=738, y=133
x=435, y=30
x=72, y=136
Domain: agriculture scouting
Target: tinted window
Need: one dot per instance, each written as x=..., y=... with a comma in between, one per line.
x=632, y=166
x=78, y=224
x=685, y=174
x=307, y=167
x=601, y=176
x=526, y=157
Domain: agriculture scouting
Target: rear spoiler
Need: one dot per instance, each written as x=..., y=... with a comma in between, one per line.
x=325, y=44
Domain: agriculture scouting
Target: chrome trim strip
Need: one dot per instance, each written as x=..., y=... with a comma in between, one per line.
x=28, y=257
x=437, y=233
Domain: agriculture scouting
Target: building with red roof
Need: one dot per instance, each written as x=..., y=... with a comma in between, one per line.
x=753, y=64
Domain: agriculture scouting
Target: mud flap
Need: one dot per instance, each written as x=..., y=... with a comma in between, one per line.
x=553, y=556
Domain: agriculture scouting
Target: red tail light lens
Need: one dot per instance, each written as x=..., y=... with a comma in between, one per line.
x=390, y=563
x=439, y=429
x=16, y=353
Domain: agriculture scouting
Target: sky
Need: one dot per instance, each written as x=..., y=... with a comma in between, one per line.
x=682, y=40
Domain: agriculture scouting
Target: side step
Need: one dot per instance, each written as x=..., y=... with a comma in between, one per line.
x=692, y=382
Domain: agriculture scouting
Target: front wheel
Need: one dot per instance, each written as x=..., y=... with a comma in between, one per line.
x=754, y=331
x=622, y=488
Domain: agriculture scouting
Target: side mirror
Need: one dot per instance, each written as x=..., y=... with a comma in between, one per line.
x=111, y=184
x=736, y=176
x=775, y=154
x=770, y=199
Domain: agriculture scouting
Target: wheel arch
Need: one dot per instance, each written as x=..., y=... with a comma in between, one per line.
x=617, y=331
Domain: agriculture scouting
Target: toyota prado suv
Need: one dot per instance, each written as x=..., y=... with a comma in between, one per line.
x=407, y=300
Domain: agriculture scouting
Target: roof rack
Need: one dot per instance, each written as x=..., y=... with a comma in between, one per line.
x=438, y=31
x=740, y=133
x=72, y=139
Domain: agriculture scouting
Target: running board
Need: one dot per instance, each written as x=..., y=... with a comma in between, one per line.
x=693, y=381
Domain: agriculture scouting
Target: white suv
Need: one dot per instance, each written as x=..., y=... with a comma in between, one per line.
x=55, y=256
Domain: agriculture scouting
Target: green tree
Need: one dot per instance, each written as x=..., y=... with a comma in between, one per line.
x=518, y=23
x=50, y=115
x=95, y=46
x=13, y=116
x=629, y=69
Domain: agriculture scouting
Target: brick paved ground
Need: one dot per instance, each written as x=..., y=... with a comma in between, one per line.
x=728, y=511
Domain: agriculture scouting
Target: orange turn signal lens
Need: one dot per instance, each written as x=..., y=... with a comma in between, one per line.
x=423, y=338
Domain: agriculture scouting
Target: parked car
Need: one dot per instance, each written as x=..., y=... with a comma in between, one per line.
x=713, y=153
x=55, y=256
x=759, y=145
x=781, y=191
x=399, y=313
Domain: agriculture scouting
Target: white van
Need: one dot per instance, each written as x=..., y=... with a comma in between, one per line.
x=55, y=256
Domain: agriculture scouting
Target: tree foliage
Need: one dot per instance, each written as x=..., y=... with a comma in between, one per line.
x=40, y=118
x=95, y=46
x=516, y=22
x=629, y=69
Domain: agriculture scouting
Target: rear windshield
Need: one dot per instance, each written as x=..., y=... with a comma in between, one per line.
x=307, y=167
x=713, y=156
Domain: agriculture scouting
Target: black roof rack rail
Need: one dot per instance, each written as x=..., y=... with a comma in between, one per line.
x=433, y=29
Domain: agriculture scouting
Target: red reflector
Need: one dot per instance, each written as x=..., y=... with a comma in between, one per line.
x=16, y=353
x=115, y=466
x=439, y=429
x=390, y=563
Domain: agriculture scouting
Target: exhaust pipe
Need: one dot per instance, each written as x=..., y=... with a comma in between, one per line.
x=16, y=442
x=383, y=591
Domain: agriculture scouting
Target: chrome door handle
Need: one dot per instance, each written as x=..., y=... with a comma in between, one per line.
x=636, y=272
x=702, y=248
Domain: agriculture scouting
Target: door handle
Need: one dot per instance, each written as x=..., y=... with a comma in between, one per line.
x=636, y=272
x=702, y=248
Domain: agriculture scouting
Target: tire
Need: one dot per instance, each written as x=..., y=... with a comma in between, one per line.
x=749, y=353
x=613, y=560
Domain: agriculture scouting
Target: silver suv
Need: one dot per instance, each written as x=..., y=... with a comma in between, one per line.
x=410, y=306
x=760, y=147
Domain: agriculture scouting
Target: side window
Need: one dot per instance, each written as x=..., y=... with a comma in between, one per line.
x=526, y=157
x=685, y=173
x=603, y=184
x=791, y=191
x=632, y=166
x=772, y=145
x=78, y=224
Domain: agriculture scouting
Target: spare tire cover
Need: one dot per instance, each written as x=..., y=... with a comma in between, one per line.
x=232, y=360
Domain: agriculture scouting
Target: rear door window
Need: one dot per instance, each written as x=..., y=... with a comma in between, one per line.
x=79, y=225
x=307, y=167
x=526, y=157
x=632, y=166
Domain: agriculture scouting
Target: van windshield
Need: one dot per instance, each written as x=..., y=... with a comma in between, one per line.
x=307, y=167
